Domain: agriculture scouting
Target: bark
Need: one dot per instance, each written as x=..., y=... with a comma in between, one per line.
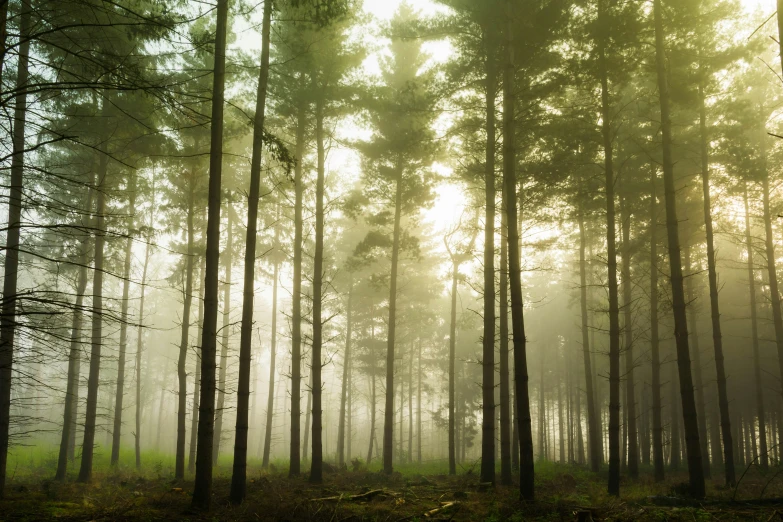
x=344, y=389
x=410, y=405
x=184, y=342
x=11, y=267
x=140, y=333
x=270, y=401
x=695, y=468
x=560, y=423
x=372, y=385
x=221, y=392
x=418, y=408
x=614, y=311
x=505, y=384
x=758, y=386
x=526, y=472
x=296, y=298
x=118, y=400
x=717, y=337
x=769, y=244
x=202, y=490
x=657, y=422
x=594, y=439
x=488, y=339
x=674, y=462
x=700, y=409
x=197, y=380
x=68, y=438
x=316, y=463
x=452, y=374
x=239, y=475
x=630, y=395
x=388, y=424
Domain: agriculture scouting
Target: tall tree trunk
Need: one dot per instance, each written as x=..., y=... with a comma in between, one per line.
x=344, y=389
x=594, y=438
x=184, y=342
x=505, y=384
x=630, y=395
x=560, y=421
x=526, y=472
x=296, y=302
x=202, y=490
x=11, y=268
x=759, y=386
x=388, y=416
x=488, y=339
x=418, y=407
x=308, y=412
x=85, y=470
x=197, y=380
x=674, y=420
x=316, y=464
x=140, y=331
x=68, y=437
x=221, y=391
x=372, y=384
x=717, y=338
x=695, y=468
x=700, y=409
x=452, y=373
x=410, y=405
x=117, y=429
x=270, y=401
x=611, y=249
x=657, y=422
x=239, y=472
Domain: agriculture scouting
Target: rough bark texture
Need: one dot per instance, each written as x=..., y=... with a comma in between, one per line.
x=695, y=469
x=184, y=342
x=221, y=391
x=344, y=387
x=270, y=402
x=10, y=270
x=526, y=471
x=239, y=472
x=202, y=490
x=717, y=337
x=120, y=394
x=611, y=250
x=294, y=460
x=655, y=356
x=505, y=384
x=316, y=463
x=630, y=395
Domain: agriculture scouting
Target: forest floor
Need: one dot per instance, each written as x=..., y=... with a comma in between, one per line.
x=563, y=493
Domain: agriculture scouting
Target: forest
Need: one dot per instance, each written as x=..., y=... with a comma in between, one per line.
x=391, y=260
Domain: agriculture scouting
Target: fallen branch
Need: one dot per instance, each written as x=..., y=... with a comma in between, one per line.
x=444, y=507
x=361, y=496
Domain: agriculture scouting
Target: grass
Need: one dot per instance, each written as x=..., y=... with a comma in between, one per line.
x=562, y=491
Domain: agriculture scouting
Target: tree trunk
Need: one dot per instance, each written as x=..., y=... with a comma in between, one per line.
x=526, y=472
x=184, y=342
x=759, y=387
x=316, y=464
x=140, y=332
x=717, y=338
x=296, y=299
x=372, y=384
x=221, y=391
x=117, y=430
x=11, y=268
x=452, y=373
x=344, y=389
x=630, y=395
x=614, y=311
x=594, y=439
x=68, y=438
x=197, y=380
x=657, y=422
x=388, y=420
x=410, y=405
x=780, y=31
x=488, y=339
x=418, y=407
x=85, y=470
x=239, y=472
x=202, y=490
x=674, y=462
x=695, y=468
x=270, y=401
x=505, y=384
